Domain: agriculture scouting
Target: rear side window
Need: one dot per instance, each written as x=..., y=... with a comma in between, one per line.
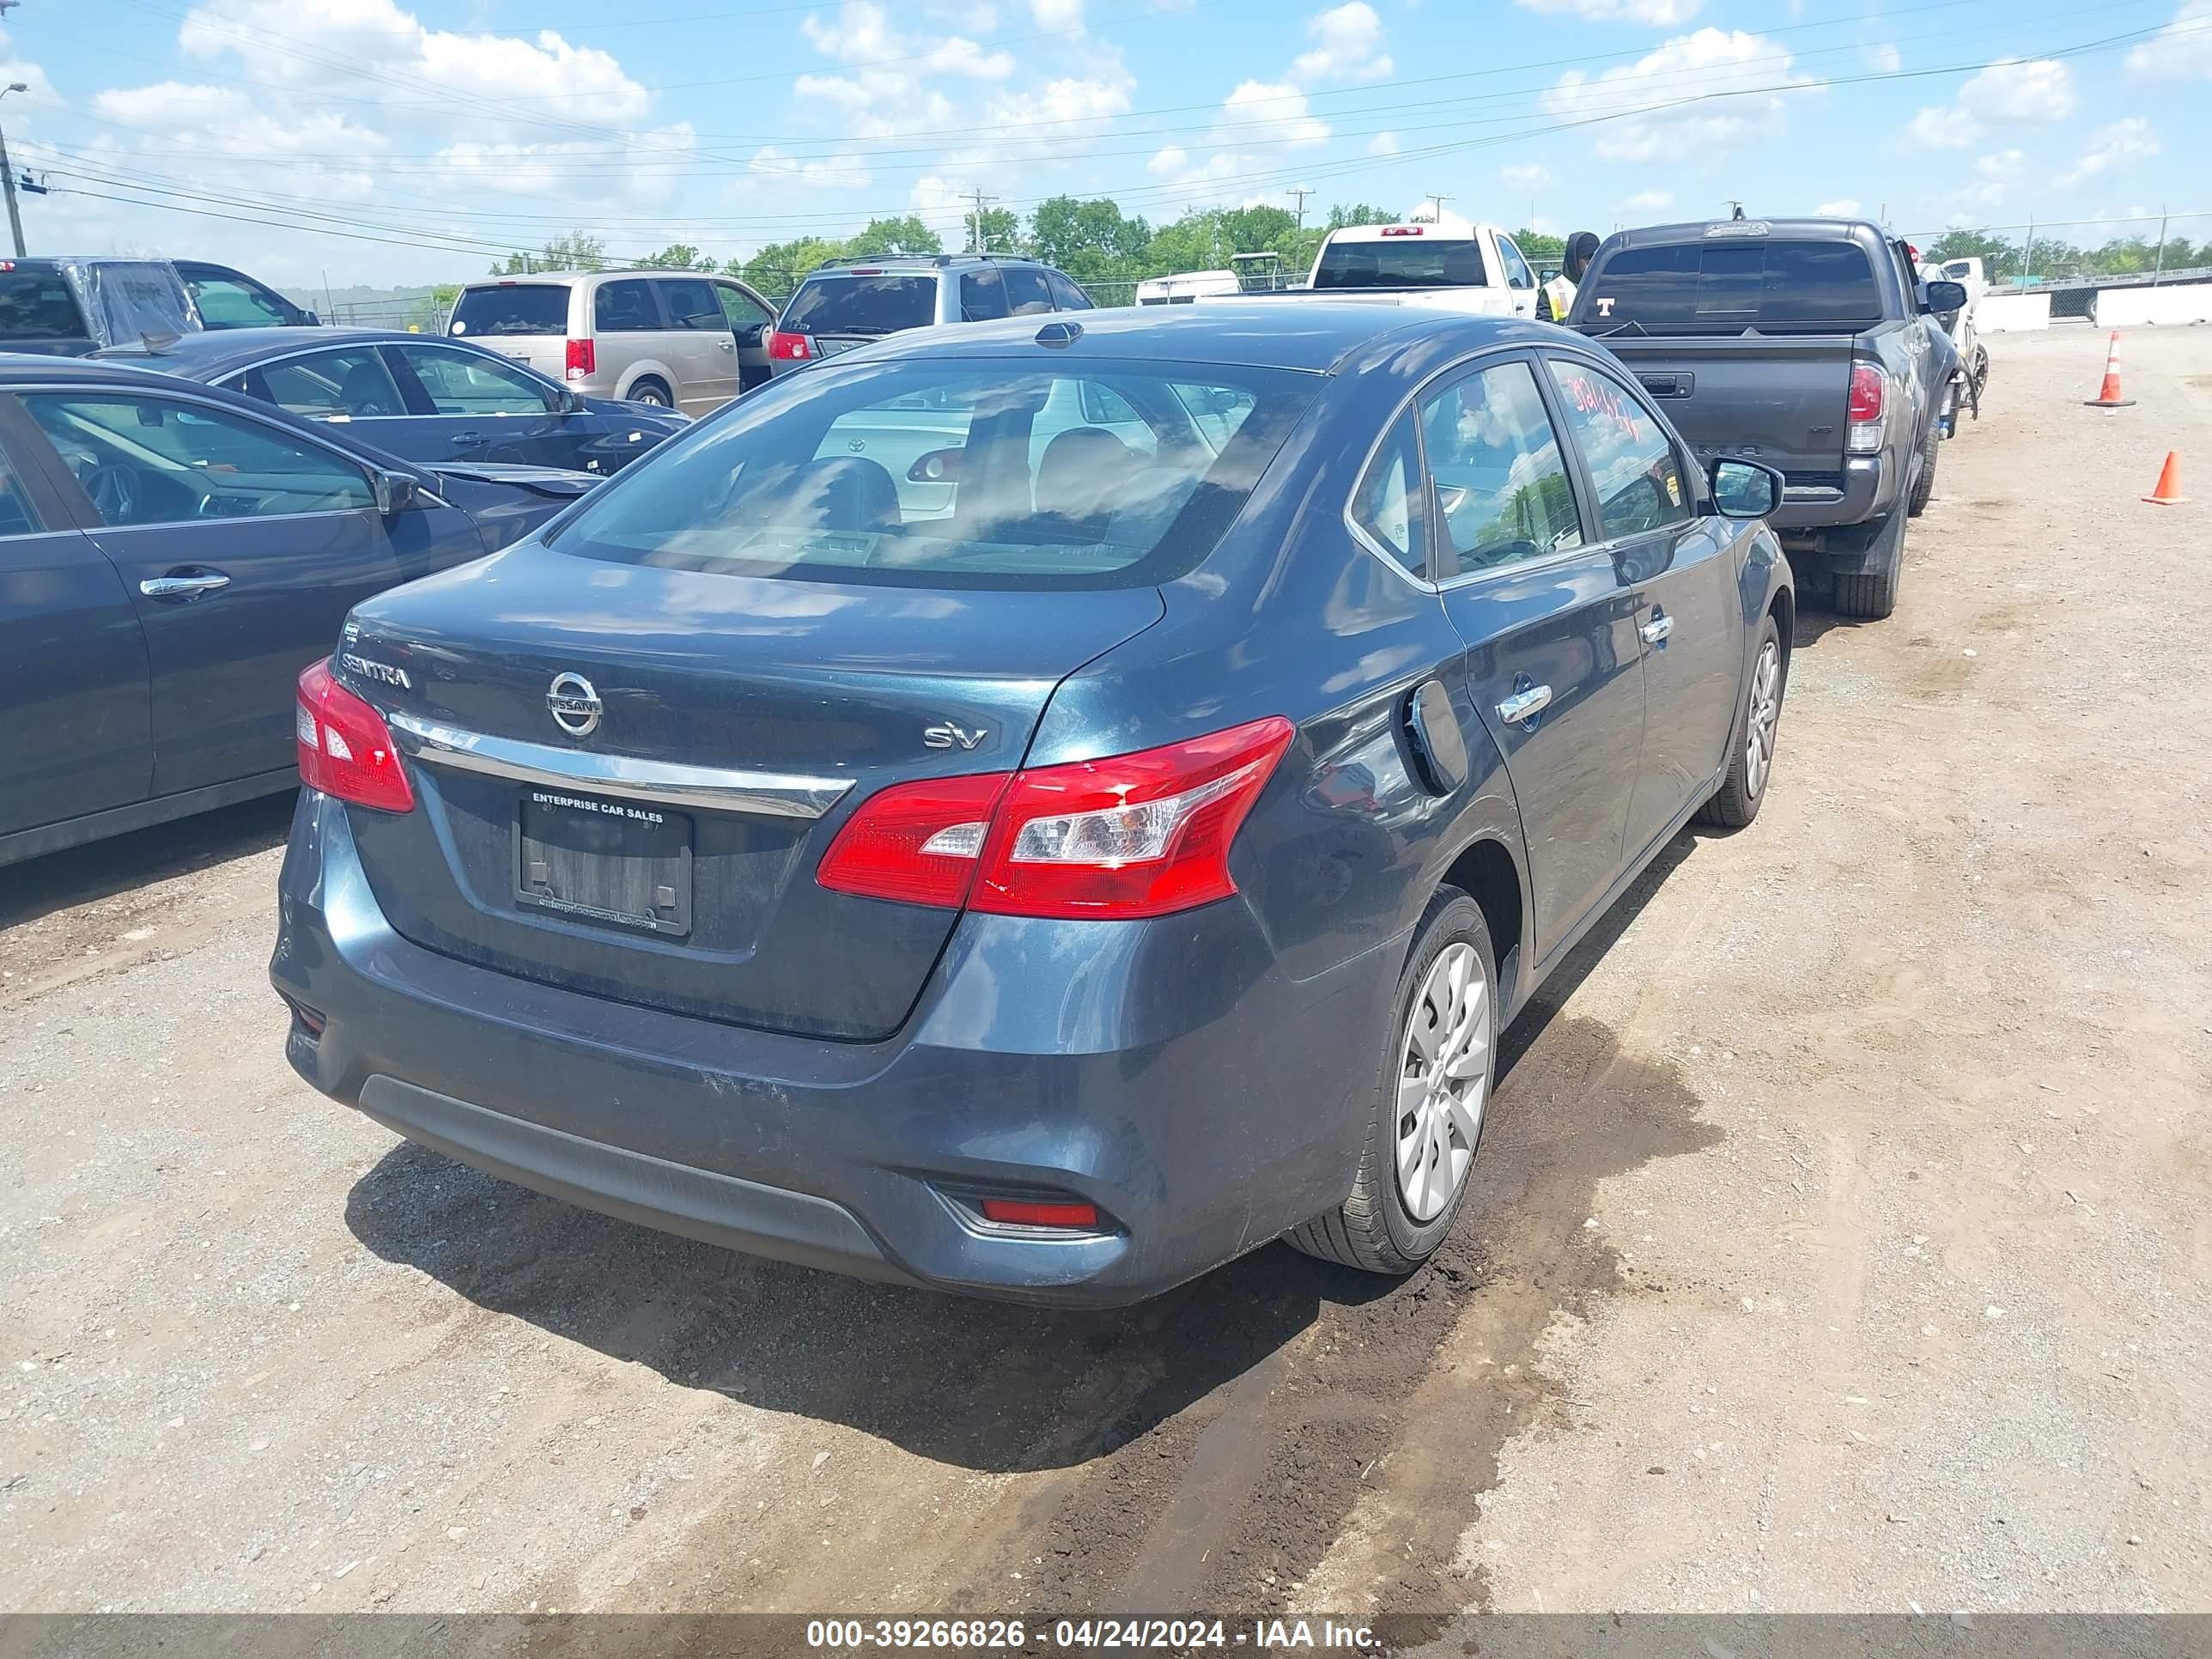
x=876, y=304
x=35, y=306
x=1065, y=294
x=1502, y=491
x=625, y=308
x=982, y=296
x=1386, y=504
x=353, y=382
x=1734, y=284
x=17, y=516
x=1517, y=274
x=741, y=309
x=974, y=474
x=512, y=308
x=1026, y=294
x=1410, y=261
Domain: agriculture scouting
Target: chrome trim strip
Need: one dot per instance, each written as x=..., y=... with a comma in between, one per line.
x=763, y=794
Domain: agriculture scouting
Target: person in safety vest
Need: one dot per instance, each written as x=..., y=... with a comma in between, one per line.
x=1557, y=297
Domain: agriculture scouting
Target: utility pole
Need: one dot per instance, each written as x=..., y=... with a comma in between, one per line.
x=7, y=167
x=1437, y=207
x=2158, y=269
x=1301, y=193
x=976, y=244
x=2028, y=254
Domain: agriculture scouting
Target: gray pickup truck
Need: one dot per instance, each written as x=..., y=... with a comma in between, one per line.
x=1809, y=344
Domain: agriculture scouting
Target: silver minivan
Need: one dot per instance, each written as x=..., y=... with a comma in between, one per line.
x=682, y=339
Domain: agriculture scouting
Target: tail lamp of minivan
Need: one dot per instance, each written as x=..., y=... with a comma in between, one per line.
x=1142, y=834
x=1869, y=388
x=345, y=748
x=583, y=359
x=786, y=347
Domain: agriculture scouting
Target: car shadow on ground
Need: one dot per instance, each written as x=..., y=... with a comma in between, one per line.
x=978, y=1384
x=82, y=875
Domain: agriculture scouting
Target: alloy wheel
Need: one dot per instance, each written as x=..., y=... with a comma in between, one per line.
x=1443, y=1081
x=1763, y=717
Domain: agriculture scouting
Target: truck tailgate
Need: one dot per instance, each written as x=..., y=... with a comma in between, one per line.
x=1780, y=398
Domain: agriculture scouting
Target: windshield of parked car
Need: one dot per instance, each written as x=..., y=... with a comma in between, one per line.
x=861, y=303
x=979, y=474
x=1409, y=261
x=1732, y=285
x=39, y=306
x=512, y=308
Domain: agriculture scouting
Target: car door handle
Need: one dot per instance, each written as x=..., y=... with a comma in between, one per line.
x=184, y=585
x=1655, y=631
x=1525, y=704
x=469, y=441
x=729, y=345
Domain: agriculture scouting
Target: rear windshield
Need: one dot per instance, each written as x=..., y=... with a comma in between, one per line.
x=1400, y=262
x=983, y=474
x=39, y=306
x=512, y=308
x=1731, y=285
x=861, y=305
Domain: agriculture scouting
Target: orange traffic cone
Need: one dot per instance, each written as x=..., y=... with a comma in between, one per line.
x=2168, y=493
x=2108, y=395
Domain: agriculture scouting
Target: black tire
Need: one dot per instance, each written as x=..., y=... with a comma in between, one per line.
x=1736, y=802
x=1872, y=594
x=650, y=391
x=1925, y=485
x=1374, y=1229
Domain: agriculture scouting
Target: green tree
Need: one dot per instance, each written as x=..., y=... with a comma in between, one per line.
x=906, y=235
x=436, y=306
x=1002, y=230
x=676, y=256
x=1539, y=249
x=575, y=251
x=1358, y=213
x=1090, y=240
x=776, y=269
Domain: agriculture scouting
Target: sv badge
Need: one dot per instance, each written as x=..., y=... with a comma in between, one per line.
x=946, y=735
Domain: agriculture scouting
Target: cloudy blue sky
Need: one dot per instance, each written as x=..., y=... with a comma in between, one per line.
x=388, y=142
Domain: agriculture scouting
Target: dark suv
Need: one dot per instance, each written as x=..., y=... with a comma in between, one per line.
x=849, y=302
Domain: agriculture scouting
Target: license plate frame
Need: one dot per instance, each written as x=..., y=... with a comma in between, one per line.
x=617, y=863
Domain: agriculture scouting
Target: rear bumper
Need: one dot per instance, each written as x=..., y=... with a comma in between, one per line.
x=1867, y=490
x=1172, y=1075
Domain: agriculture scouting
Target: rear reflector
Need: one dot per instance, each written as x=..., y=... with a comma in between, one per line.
x=789, y=347
x=345, y=748
x=1029, y=1213
x=1135, y=835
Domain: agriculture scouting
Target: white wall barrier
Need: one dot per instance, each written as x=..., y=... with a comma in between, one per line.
x=2133, y=307
x=2010, y=314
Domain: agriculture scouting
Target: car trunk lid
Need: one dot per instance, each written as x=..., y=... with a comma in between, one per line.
x=627, y=774
x=1783, y=399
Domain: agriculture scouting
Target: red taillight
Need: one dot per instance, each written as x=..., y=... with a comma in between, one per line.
x=345, y=748
x=583, y=359
x=1142, y=834
x=789, y=347
x=1866, y=393
x=1026, y=1213
x=918, y=843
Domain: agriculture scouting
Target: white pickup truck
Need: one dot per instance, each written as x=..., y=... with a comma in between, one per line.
x=1448, y=262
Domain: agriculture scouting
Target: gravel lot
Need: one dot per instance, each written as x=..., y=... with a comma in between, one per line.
x=1840, y=1241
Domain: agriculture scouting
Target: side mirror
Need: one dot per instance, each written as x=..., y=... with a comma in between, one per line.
x=1947, y=296
x=938, y=466
x=395, y=491
x=314, y=321
x=752, y=335
x=572, y=402
x=1744, y=490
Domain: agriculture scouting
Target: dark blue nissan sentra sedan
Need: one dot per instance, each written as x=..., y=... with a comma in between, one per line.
x=1035, y=811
